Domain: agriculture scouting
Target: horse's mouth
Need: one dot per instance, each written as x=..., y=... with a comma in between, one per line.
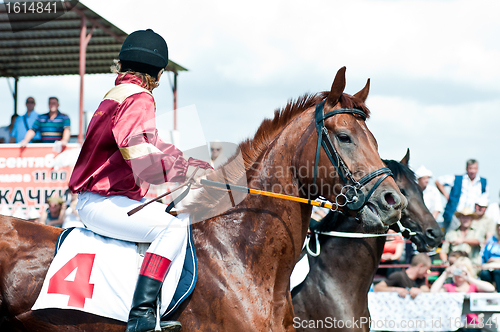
x=370, y=219
x=421, y=243
x=372, y=208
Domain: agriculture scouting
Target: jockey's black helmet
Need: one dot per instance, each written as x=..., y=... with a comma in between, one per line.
x=143, y=49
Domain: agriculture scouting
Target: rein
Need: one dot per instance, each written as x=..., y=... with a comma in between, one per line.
x=406, y=232
x=354, y=198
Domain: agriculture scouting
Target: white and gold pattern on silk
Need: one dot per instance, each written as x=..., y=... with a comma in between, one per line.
x=121, y=92
x=138, y=151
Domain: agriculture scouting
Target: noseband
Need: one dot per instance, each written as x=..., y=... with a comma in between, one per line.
x=351, y=192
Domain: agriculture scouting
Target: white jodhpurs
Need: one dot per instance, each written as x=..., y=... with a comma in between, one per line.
x=107, y=216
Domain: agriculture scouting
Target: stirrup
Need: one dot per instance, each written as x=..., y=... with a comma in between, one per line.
x=170, y=326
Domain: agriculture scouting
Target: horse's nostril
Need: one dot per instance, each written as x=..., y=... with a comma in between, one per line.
x=433, y=233
x=389, y=198
x=430, y=233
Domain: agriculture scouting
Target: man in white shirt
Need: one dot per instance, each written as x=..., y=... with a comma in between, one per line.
x=465, y=191
x=432, y=198
x=493, y=212
x=484, y=221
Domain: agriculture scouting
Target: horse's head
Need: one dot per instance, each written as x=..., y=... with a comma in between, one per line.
x=347, y=168
x=416, y=216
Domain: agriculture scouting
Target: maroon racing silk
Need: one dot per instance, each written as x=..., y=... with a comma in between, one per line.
x=122, y=153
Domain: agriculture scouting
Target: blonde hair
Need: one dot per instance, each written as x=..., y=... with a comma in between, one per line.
x=149, y=82
x=55, y=199
x=465, y=262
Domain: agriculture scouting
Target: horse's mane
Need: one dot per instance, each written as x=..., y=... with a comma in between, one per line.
x=398, y=169
x=250, y=150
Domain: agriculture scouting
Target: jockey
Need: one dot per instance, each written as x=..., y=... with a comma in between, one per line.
x=122, y=154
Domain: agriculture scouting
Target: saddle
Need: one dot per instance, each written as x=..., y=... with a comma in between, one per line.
x=96, y=274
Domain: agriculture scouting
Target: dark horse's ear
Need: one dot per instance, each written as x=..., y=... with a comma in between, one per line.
x=338, y=87
x=363, y=93
x=406, y=158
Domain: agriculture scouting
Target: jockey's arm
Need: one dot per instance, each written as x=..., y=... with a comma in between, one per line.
x=151, y=159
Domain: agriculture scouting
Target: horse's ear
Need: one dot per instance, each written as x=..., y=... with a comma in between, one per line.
x=363, y=93
x=338, y=87
x=406, y=158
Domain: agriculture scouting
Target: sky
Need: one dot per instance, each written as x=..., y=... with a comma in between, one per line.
x=434, y=67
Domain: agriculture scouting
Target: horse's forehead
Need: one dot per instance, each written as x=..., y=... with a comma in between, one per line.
x=354, y=124
x=404, y=182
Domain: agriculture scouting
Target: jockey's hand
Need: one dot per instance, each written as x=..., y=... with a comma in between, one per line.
x=200, y=175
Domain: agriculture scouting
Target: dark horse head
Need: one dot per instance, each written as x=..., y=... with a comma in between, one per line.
x=340, y=276
x=416, y=216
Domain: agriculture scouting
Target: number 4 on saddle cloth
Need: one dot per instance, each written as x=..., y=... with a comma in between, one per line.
x=96, y=274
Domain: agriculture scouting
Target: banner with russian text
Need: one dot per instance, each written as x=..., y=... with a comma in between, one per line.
x=31, y=175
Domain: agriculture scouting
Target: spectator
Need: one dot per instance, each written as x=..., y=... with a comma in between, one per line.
x=464, y=279
x=53, y=126
x=410, y=281
x=217, y=156
x=483, y=220
x=454, y=255
x=465, y=190
x=452, y=258
x=466, y=237
x=24, y=123
x=491, y=260
x=493, y=211
x=54, y=214
x=5, y=131
x=432, y=198
x=393, y=249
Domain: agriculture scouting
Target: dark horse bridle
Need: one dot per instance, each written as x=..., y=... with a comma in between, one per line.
x=352, y=195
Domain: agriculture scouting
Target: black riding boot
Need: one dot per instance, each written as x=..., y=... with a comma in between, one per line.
x=142, y=317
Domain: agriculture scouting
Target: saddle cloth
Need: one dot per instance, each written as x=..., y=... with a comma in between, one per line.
x=97, y=275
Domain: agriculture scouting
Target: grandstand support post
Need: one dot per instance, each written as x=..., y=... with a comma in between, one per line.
x=174, y=90
x=84, y=41
x=16, y=81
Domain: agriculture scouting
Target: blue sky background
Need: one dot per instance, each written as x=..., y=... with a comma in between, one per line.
x=434, y=69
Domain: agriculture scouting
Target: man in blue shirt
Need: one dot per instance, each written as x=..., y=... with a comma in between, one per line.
x=491, y=257
x=23, y=123
x=465, y=191
x=53, y=126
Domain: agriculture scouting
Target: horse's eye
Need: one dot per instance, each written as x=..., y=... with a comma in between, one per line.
x=344, y=138
x=402, y=191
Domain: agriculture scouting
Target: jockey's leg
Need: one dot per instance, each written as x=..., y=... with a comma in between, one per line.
x=107, y=216
x=142, y=316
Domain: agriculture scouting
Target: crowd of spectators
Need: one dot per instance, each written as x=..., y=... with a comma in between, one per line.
x=468, y=259
x=32, y=127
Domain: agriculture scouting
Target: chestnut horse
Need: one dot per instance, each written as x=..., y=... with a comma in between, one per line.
x=340, y=277
x=245, y=254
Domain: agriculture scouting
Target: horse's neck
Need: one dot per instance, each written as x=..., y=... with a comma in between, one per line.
x=350, y=263
x=261, y=235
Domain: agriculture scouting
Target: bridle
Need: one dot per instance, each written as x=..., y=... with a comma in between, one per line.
x=352, y=195
x=404, y=231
